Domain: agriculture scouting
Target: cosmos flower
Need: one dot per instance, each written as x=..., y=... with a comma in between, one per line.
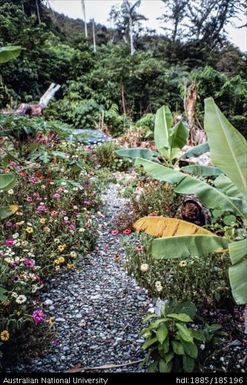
x=38, y=316
x=114, y=232
x=127, y=231
x=4, y=335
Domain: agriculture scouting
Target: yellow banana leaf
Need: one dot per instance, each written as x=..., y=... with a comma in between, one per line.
x=168, y=227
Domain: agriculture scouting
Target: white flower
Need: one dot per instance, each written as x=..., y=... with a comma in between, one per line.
x=14, y=294
x=16, y=235
x=34, y=288
x=63, y=184
x=144, y=267
x=158, y=286
x=75, y=188
x=21, y=299
x=73, y=254
x=11, y=192
x=9, y=260
x=65, y=219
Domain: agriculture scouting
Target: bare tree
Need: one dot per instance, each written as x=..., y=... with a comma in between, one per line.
x=175, y=14
x=84, y=17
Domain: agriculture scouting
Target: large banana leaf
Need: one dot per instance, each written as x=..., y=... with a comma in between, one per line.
x=225, y=185
x=135, y=153
x=8, y=53
x=167, y=227
x=186, y=184
x=198, y=170
x=7, y=181
x=196, y=151
x=163, y=125
x=187, y=246
x=238, y=272
x=228, y=148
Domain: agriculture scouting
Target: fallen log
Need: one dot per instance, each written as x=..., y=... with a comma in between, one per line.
x=26, y=109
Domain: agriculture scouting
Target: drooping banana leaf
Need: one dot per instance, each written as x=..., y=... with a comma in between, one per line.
x=186, y=184
x=162, y=130
x=7, y=181
x=238, y=281
x=8, y=53
x=224, y=184
x=196, y=151
x=228, y=148
x=186, y=246
x=166, y=227
x=238, y=251
x=135, y=153
x=201, y=170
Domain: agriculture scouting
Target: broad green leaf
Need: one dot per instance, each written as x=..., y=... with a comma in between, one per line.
x=184, y=333
x=186, y=184
x=205, y=171
x=190, y=349
x=187, y=246
x=178, y=139
x=162, y=333
x=7, y=181
x=225, y=185
x=7, y=211
x=149, y=343
x=188, y=364
x=165, y=367
x=8, y=53
x=177, y=347
x=198, y=335
x=196, y=151
x=180, y=317
x=238, y=281
x=163, y=125
x=228, y=148
x=238, y=250
x=166, y=227
x=135, y=153
x=186, y=307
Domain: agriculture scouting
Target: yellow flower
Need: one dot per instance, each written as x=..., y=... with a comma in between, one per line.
x=182, y=263
x=61, y=247
x=70, y=266
x=56, y=261
x=61, y=259
x=50, y=321
x=19, y=223
x=42, y=221
x=13, y=208
x=4, y=335
x=29, y=230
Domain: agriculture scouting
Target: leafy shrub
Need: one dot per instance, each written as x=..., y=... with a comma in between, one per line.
x=105, y=156
x=173, y=339
x=201, y=280
x=146, y=123
x=147, y=198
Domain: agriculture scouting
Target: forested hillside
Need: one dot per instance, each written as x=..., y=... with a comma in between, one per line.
x=126, y=87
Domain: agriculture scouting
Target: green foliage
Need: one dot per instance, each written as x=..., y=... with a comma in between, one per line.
x=172, y=340
x=106, y=156
x=201, y=280
x=9, y=53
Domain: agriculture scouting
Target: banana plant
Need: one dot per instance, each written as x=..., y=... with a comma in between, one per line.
x=7, y=182
x=169, y=139
x=228, y=149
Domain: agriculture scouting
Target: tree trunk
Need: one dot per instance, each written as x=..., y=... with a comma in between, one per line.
x=38, y=14
x=94, y=37
x=84, y=17
x=132, y=48
x=123, y=99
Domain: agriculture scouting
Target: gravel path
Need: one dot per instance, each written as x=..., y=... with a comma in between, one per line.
x=98, y=308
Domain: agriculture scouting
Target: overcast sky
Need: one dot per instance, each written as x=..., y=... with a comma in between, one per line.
x=100, y=9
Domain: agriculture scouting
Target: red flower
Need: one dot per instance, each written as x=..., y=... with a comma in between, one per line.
x=114, y=232
x=127, y=231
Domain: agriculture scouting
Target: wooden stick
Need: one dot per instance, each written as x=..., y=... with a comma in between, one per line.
x=78, y=368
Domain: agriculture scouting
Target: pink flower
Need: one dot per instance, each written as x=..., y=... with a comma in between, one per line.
x=29, y=199
x=140, y=248
x=114, y=232
x=38, y=316
x=29, y=262
x=127, y=231
x=41, y=208
x=56, y=196
x=33, y=180
x=9, y=242
x=54, y=213
x=72, y=227
x=12, y=163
